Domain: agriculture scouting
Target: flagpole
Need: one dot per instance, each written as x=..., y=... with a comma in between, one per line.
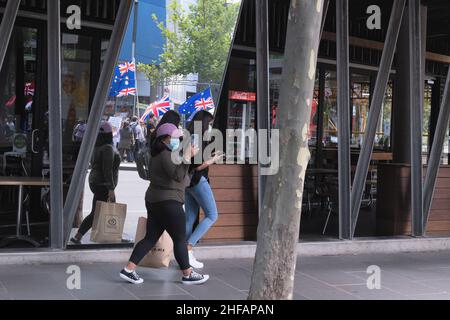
x=133, y=54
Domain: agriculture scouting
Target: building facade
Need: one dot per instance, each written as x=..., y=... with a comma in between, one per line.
x=388, y=204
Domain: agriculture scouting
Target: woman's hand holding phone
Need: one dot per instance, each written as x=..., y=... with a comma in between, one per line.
x=191, y=151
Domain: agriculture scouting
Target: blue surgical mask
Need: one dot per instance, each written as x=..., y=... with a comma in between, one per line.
x=174, y=143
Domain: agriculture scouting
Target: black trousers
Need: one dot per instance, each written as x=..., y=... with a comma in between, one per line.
x=166, y=215
x=100, y=194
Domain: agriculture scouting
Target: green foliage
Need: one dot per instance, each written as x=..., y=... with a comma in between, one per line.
x=153, y=72
x=199, y=40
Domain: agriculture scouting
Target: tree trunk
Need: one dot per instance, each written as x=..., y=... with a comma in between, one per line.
x=278, y=229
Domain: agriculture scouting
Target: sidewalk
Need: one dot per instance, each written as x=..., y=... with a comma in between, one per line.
x=403, y=276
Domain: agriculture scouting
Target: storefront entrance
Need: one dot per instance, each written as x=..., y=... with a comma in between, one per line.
x=23, y=136
x=24, y=144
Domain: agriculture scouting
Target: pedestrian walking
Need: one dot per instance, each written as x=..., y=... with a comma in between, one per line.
x=138, y=136
x=126, y=143
x=164, y=202
x=199, y=193
x=103, y=177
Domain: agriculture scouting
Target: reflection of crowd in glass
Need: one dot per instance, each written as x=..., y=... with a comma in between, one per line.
x=129, y=139
x=7, y=129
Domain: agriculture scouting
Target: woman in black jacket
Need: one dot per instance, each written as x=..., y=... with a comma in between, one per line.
x=104, y=176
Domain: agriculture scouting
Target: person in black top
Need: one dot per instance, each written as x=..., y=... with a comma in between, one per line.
x=199, y=193
x=103, y=177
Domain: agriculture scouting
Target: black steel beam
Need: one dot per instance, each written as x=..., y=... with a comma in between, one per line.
x=416, y=100
x=326, y=5
x=55, y=127
x=262, y=90
x=343, y=104
x=375, y=108
x=436, y=152
x=7, y=26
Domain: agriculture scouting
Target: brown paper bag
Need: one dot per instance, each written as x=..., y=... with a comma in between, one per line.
x=161, y=254
x=109, y=220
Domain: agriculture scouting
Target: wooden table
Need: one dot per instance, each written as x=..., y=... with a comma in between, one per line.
x=21, y=182
x=377, y=155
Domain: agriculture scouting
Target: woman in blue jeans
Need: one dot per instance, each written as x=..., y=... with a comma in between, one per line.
x=199, y=194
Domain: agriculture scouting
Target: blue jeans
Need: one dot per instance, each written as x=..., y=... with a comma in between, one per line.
x=199, y=196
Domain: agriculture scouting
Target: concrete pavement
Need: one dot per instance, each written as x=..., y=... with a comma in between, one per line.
x=423, y=275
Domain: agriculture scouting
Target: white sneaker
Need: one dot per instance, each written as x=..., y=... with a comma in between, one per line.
x=193, y=262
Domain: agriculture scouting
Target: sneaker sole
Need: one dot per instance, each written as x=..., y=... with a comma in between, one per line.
x=124, y=277
x=191, y=283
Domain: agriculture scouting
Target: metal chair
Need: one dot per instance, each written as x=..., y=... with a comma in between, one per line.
x=332, y=189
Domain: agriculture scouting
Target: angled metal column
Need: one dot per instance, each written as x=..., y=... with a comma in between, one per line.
x=262, y=80
x=326, y=5
x=95, y=115
x=416, y=99
x=343, y=105
x=436, y=152
x=55, y=127
x=7, y=26
x=375, y=108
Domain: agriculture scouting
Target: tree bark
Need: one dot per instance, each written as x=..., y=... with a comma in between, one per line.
x=278, y=229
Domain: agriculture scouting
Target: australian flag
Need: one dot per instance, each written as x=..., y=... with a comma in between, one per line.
x=200, y=101
x=124, y=80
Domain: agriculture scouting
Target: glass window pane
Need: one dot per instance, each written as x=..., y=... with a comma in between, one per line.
x=383, y=134
x=75, y=78
x=359, y=97
x=330, y=118
x=17, y=94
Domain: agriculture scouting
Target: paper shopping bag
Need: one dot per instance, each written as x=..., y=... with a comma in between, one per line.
x=161, y=253
x=109, y=220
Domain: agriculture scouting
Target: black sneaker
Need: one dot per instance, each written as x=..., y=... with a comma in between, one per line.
x=195, y=278
x=75, y=241
x=131, y=276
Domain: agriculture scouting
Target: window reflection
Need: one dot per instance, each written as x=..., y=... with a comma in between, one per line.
x=75, y=78
x=17, y=95
x=330, y=117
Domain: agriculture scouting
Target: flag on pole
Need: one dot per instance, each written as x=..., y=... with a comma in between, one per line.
x=127, y=67
x=200, y=101
x=157, y=108
x=126, y=92
x=124, y=80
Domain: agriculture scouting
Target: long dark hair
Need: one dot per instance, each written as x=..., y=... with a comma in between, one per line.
x=104, y=138
x=205, y=117
x=158, y=146
x=170, y=116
